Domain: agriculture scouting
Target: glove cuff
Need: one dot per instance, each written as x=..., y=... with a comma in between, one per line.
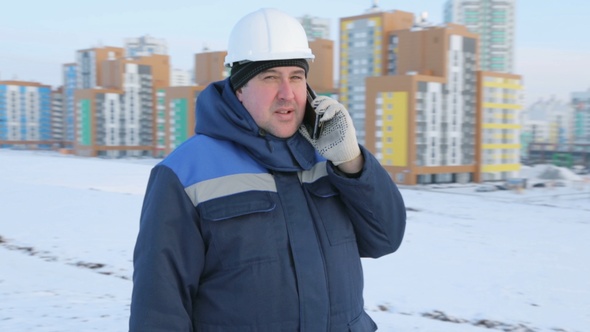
x=348, y=153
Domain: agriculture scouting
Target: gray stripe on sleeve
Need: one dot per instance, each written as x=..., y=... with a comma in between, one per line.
x=228, y=185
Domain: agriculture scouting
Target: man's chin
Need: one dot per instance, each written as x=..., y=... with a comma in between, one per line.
x=284, y=133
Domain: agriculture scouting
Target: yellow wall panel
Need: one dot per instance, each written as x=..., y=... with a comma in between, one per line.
x=399, y=124
x=503, y=106
x=503, y=85
x=500, y=126
x=500, y=146
x=500, y=168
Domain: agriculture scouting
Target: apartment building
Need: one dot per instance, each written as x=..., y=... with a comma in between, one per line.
x=209, y=67
x=548, y=121
x=57, y=116
x=70, y=84
x=494, y=21
x=145, y=46
x=175, y=117
x=99, y=116
x=422, y=121
x=500, y=105
x=120, y=120
x=363, y=54
x=576, y=151
x=321, y=69
x=180, y=77
x=581, y=117
x=89, y=65
x=315, y=27
x=25, y=114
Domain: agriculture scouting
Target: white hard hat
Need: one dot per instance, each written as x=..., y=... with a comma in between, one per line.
x=267, y=34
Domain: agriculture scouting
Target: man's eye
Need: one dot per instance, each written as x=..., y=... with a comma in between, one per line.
x=270, y=77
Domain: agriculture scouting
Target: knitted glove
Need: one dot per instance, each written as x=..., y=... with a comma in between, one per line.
x=337, y=139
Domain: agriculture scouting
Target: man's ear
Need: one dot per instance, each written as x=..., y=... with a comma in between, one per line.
x=239, y=94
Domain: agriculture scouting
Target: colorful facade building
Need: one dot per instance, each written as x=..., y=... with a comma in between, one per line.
x=25, y=114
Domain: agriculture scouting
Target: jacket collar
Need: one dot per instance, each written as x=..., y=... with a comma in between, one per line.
x=220, y=115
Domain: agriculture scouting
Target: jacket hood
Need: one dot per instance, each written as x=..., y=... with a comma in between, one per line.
x=219, y=114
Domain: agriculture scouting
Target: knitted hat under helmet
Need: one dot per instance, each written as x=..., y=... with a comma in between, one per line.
x=241, y=73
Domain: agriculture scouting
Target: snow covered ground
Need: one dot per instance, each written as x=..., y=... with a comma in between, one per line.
x=499, y=260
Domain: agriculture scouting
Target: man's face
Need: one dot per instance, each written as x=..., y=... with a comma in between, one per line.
x=276, y=99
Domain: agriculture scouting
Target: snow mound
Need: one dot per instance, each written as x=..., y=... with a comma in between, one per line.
x=548, y=172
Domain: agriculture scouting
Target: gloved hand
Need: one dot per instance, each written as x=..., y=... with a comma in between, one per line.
x=337, y=141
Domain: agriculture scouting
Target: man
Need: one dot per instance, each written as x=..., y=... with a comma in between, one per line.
x=252, y=225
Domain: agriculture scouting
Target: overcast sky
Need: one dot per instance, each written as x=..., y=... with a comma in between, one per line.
x=36, y=38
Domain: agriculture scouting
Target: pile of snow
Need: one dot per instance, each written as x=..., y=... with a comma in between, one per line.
x=470, y=262
x=548, y=172
x=551, y=175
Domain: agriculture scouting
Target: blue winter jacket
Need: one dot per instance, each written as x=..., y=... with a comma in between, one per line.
x=243, y=231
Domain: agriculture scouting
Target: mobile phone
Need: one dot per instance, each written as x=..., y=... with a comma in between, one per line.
x=311, y=119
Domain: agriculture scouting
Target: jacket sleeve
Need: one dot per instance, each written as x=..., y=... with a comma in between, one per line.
x=375, y=206
x=168, y=257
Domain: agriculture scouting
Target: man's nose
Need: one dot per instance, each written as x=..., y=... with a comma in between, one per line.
x=285, y=90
